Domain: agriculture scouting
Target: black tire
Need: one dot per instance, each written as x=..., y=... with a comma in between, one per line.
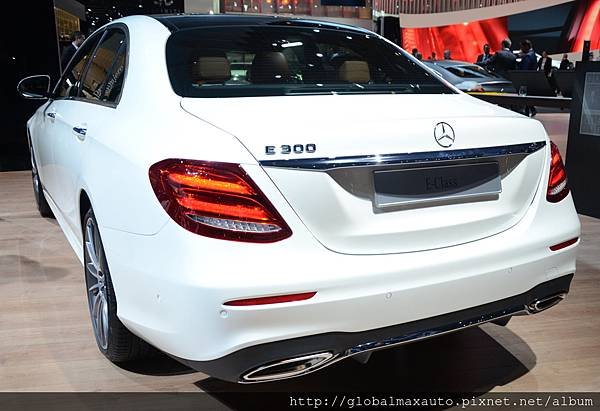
x=119, y=345
x=40, y=199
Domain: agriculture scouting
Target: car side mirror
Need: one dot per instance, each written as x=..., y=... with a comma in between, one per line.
x=35, y=87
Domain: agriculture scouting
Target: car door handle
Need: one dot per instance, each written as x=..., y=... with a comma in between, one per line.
x=80, y=132
x=51, y=114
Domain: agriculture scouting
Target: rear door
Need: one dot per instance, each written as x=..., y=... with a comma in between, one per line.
x=81, y=117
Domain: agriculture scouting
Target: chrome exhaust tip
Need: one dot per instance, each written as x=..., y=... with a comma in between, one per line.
x=288, y=368
x=545, y=303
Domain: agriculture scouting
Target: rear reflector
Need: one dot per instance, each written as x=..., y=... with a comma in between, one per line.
x=276, y=299
x=216, y=200
x=564, y=244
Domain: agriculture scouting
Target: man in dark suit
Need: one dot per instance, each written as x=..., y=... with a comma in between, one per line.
x=545, y=63
x=528, y=62
x=565, y=64
x=503, y=60
x=77, y=39
x=483, y=58
x=527, y=55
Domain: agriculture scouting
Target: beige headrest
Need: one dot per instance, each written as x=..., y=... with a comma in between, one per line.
x=354, y=71
x=207, y=69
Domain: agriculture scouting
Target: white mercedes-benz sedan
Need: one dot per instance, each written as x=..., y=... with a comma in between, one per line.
x=260, y=197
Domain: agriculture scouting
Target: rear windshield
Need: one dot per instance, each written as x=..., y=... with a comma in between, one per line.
x=239, y=61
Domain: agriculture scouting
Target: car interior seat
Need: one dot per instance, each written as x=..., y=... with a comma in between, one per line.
x=211, y=69
x=354, y=71
x=270, y=67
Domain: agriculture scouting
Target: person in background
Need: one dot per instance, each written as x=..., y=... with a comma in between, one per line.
x=483, y=58
x=545, y=64
x=527, y=55
x=414, y=52
x=528, y=62
x=447, y=55
x=419, y=56
x=433, y=56
x=503, y=60
x=77, y=39
x=565, y=64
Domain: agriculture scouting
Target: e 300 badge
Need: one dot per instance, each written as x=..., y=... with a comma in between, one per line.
x=291, y=149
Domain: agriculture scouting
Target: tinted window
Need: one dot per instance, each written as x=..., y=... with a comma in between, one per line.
x=238, y=61
x=101, y=66
x=69, y=84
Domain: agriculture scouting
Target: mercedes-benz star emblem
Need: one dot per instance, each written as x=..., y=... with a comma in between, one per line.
x=444, y=134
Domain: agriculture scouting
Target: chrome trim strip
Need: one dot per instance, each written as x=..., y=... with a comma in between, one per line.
x=495, y=82
x=325, y=163
x=433, y=332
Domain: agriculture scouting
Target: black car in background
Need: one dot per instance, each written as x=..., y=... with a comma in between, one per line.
x=470, y=77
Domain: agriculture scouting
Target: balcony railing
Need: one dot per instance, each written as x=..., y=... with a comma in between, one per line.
x=434, y=6
x=312, y=8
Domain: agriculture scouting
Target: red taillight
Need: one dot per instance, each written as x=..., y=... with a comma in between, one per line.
x=276, y=299
x=557, y=182
x=216, y=200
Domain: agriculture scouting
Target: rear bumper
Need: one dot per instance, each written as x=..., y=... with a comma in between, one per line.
x=253, y=364
x=171, y=287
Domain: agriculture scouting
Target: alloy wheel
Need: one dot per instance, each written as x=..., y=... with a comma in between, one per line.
x=96, y=270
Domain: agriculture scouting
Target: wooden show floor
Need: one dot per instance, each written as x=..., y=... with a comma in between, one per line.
x=46, y=341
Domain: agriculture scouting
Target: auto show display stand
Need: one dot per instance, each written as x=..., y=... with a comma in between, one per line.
x=583, y=144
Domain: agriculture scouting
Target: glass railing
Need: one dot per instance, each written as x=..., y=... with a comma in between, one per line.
x=434, y=6
x=315, y=8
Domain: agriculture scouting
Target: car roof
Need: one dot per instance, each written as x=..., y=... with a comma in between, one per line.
x=176, y=22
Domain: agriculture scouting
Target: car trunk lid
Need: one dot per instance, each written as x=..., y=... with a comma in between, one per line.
x=346, y=175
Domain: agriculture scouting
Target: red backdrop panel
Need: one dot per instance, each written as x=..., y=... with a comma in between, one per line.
x=465, y=41
x=589, y=28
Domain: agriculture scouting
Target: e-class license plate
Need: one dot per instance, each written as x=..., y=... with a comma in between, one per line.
x=414, y=185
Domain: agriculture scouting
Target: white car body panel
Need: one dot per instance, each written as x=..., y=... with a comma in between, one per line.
x=381, y=124
x=368, y=271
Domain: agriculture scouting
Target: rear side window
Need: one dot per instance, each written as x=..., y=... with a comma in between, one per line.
x=70, y=81
x=103, y=79
x=237, y=61
x=114, y=83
